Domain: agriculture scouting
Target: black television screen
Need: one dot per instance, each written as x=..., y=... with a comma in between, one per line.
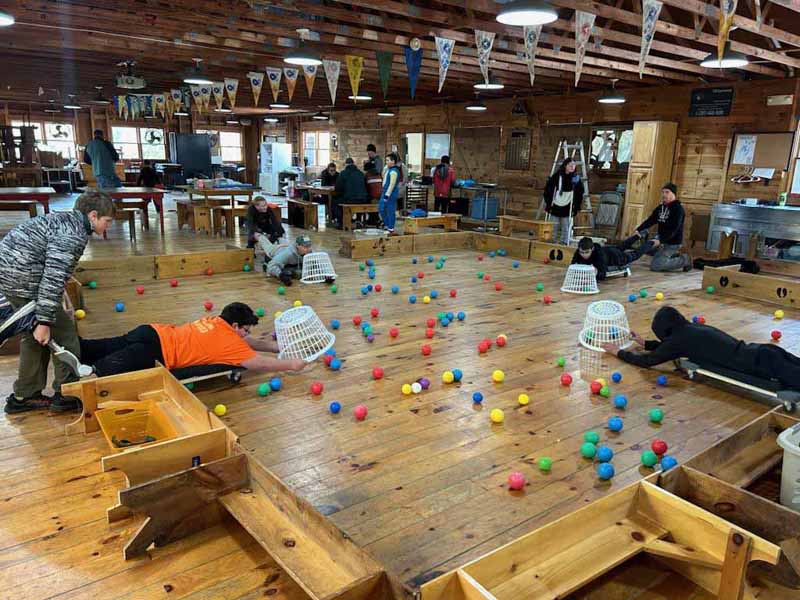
x=193, y=152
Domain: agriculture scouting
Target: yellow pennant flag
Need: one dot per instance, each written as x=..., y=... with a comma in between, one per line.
x=355, y=64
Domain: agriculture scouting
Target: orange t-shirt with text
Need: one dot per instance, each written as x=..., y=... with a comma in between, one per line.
x=208, y=341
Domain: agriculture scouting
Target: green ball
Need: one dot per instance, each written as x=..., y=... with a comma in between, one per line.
x=362, y=266
x=710, y=289
x=539, y=287
x=189, y=386
x=591, y=437
x=93, y=285
x=441, y=316
x=367, y=331
x=334, y=288
x=656, y=415
x=643, y=293
x=263, y=389
x=545, y=464
x=439, y=265
x=588, y=450
x=281, y=290
x=649, y=458
x=480, y=274
x=562, y=361
x=605, y=392
x=247, y=268
x=260, y=312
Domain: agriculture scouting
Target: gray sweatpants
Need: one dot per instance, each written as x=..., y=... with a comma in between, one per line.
x=667, y=257
x=561, y=229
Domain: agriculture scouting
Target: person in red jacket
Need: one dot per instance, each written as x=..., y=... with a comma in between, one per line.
x=444, y=176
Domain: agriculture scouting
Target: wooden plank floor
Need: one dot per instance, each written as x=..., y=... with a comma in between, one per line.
x=420, y=483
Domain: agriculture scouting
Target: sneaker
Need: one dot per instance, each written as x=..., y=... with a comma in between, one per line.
x=37, y=402
x=62, y=404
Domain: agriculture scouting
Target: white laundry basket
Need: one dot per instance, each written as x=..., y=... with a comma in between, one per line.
x=580, y=279
x=317, y=267
x=301, y=334
x=789, y=440
x=605, y=323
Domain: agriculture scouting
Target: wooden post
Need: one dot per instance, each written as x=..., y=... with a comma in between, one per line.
x=734, y=568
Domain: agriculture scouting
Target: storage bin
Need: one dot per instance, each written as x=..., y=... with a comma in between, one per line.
x=134, y=424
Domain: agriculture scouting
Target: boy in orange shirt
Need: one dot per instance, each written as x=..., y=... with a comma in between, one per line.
x=222, y=340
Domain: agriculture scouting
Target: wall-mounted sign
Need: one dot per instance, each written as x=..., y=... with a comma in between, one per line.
x=711, y=102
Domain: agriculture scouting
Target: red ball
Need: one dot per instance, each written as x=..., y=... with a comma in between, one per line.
x=659, y=447
x=500, y=341
x=701, y=320
x=357, y=320
x=516, y=481
x=595, y=386
x=546, y=261
x=209, y=271
x=429, y=333
x=426, y=350
x=776, y=335
x=480, y=256
x=394, y=332
x=374, y=312
x=498, y=286
x=377, y=373
x=453, y=293
x=547, y=299
x=173, y=282
x=208, y=305
x=316, y=388
x=360, y=412
x=140, y=289
x=327, y=360
x=566, y=379
x=483, y=347
x=420, y=275
x=487, y=341
x=378, y=287
x=431, y=322
x=487, y=277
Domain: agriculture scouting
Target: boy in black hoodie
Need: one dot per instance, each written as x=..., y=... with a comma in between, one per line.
x=669, y=216
x=710, y=347
x=605, y=258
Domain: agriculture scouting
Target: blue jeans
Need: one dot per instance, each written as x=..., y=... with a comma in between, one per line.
x=108, y=181
x=387, y=209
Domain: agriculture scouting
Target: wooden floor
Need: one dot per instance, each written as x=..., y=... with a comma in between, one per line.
x=420, y=483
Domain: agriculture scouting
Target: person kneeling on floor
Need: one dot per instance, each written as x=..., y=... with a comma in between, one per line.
x=263, y=228
x=669, y=216
x=286, y=261
x=223, y=340
x=710, y=347
x=609, y=258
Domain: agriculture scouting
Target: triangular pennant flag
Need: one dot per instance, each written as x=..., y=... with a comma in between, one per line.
x=198, y=101
x=177, y=99
x=133, y=106
x=274, y=76
x=121, y=104
x=160, y=104
x=231, y=87
x=310, y=74
x=332, y=69
x=218, y=91
x=291, y=75
x=484, y=41
x=650, y=12
x=256, y=81
x=413, y=64
x=531, y=34
x=727, y=10
x=205, y=95
x=384, y=70
x=444, y=50
x=583, y=30
x=355, y=65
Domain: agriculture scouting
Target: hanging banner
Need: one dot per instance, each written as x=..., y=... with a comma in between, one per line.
x=274, y=76
x=384, y=70
x=355, y=64
x=531, y=34
x=413, y=64
x=198, y=101
x=121, y=104
x=177, y=99
x=484, y=41
x=650, y=12
x=256, y=81
x=205, y=95
x=310, y=74
x=291, y=75
x=133, y=106
x=332, y=69
x=218, y=91
x=583, y=30
x=160, y=104
x=231, y=87
x=727, y=10
x=444, y=50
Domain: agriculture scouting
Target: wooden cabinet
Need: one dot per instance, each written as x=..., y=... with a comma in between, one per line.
x=652, y=152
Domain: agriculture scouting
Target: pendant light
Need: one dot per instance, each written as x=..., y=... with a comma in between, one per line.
x=279, y=105
x=476, y=106
x=386, y=112
x=526, y=12
x=52, y=108
x=360, y=97
x=6, y=19
x=320, y=116
x=99, y=98
x=730, y=59
x=195, y=76
x=302, y=56
x=493, y=84
x=72, y=104
x=612, y=96
x=271, y=119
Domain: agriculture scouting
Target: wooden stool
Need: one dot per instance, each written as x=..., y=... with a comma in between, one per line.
x=140, y=205
x=229, y=215
x=348, y=210
x=128, y=214
x=303, y=214
x=542, y=229
x=449, y=221
x=197, y=216
x=28, y=206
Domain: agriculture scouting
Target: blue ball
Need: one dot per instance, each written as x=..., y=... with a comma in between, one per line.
x=615, y=424
x=491, y=253
x=395, y=289
x=413, y=261
x=620, y=401
x=335, y=324
x=461, y=315
x=430, y=259
x=616, y=377
x=661, y=380
x=449, y=316
x=605, y=471
x=412, y=299
x=365, y=290
x=334, y=407
x=275, y=384
x=501, y=252
x=445, y=322
x=604, y=454
x=632, y=298
x=330, y=352
x=371, y=274
x=119, y=307
x=414, y=279
x=370, y=262
x=434, y=294
x=477, y=397
x=695, y=319
x=515, y=264
x=369, y=287
x=336, y=364
x=667, y=462
x=457, y=374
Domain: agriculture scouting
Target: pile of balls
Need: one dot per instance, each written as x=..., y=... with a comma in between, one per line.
x=602, y=454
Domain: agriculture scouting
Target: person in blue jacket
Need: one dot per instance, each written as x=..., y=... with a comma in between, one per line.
x=387, y=206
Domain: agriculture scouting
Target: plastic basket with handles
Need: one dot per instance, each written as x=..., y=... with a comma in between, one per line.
x=301, y=334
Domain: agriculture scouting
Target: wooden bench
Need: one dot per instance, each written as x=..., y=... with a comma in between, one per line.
x=136, y=204
x=229, y=215
x=543, y=229
x=449, y=221
x=197, y=216
x=28, y=206
x=303, y=214
x=348, y=210
x=129, y=215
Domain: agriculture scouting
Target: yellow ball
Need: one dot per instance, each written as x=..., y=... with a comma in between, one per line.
x=498, y=376
x=448, y=377
x=523, y=399
x=406, y=389
x=426, y=300
x=496, y=415
x=220, y=410
x=779, y=314
x=278, y=313
x=297, y=303
x=80, y=314
x=601, y=381
x=659, y=296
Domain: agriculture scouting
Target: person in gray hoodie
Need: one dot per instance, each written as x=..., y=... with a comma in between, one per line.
x=37, y=258
x=287, y=262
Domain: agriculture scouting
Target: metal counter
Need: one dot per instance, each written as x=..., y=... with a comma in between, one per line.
x=775, y=222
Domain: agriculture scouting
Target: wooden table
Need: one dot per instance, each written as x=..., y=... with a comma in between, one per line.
x=310, y=218
x=143, y=193
x=19, y=172
x=208, y=194
x=543, y=229
x=39, y=194
x=326, y=191
x=348, y=210
x=449, y=221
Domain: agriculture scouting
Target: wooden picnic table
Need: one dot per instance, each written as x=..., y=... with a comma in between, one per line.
x=39, y=194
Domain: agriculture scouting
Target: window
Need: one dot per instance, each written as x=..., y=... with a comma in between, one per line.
x=51, y=137
x=226, y=146
x=317, y=148
x=126, y=142
x=135, y=143
x=610, y=149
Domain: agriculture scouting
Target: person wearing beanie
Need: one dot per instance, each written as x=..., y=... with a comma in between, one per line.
x=669, y=216
x=609, y=258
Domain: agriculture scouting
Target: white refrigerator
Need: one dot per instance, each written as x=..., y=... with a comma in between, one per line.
x=275, y=157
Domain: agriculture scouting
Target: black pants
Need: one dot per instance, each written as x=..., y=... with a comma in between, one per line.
x=773, y=362
x=441, y=204
x=138, y=349
x=624, y=254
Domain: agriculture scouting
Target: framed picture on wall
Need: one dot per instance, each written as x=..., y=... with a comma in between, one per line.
x=436, y=145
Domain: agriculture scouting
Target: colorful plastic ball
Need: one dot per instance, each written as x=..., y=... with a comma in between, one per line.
x=264, y=389
x=413, y=279
x=362, y=267
x=425, y=383
x=483, y=348
x=275, y=384
x=430, y=259
x=605, y=391
x=426, y=299
x=220, y=410
x=547, y=299
x=453, y=293
x=374, y=312
x=710, y=289
x=439, y=265
x=371, y=337
x=364, y=325
x=334, y=288
x=335, y=324
x=659, y=296
x=604, y=454
x=595, y=386
x=378, y=287
x=443, y=259
x=445, y=322
x=546, y=260
x=369, y=287
x=357, y=320
x=364, y=290
x=566, y=379
x=501, y=340
x=643, y=293
x=394, y=332
x=334, y=407
x=327, y=359
x=370, y=262
x=498, y=376
x=430, y=322
x=659, y=446
x=605, y=471
x=775, y=335
x=414, y=260
x=540, y=287
x=461, y=315
x=620, y=401
x=498, y=287
x=434, y=294
x=661, y=380
x=119, y=306
x=416, y=387
x=412, y=299
x=779, y=314
x=545, y=464
x=395, y=289
x=523, y=399
x=360, y=412
x=561, y=361
x=588, y=450
x=496, y=415
x=616, y=377
x=406, y=389
x=477, y=397
x=516, y=481
x=140, y=289
x=330, y=352
x=492, y=253
x=591, y=436
x=281, y=290
x=260, y=312
x=450, y=316
x=515, y=264
x=336, y=364
x=316, y=388
x=276, y=314
x=429, y=333
x=208, y=305
x=480, y=257
x=699, y=320
x=173, y=283
x=480, y=274
x=457, y=375
x=648, y=458
x=631, y=297
x=668, y=462
x=80, y=314
x=601, y=381
x=448, y=377
x=487, y=277
x=656, y=415
x=93, y=285
x=615, y=424
x=421, y=275
x=426, y=350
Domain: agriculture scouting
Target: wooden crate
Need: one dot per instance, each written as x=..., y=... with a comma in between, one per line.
x=372, y=247
x=168, y=266
x=514, y=247
x=552, y=254
x=774, y=289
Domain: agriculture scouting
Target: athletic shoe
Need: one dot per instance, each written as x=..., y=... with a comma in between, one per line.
x=37, y=402
x=62, y=403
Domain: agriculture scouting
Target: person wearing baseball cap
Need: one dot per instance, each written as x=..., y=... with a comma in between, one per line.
x=669, y=216
x=287, y=262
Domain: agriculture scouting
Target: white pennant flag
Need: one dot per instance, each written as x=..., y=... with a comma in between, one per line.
x=444, y=49
x=256, y=81
x=205, y=95
x=484, y=41
x=332, y=69
x=274, y=76
x=196, y=96
x=650, y=12
x=583, y=30
x=218, y=91
x=531, y=34
x=310, y=74
x=291, y=75
x=231, y=87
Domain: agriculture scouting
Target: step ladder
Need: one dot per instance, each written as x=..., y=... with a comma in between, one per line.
x=577, y=153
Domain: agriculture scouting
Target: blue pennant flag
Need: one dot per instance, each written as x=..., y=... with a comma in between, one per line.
x=413, y=64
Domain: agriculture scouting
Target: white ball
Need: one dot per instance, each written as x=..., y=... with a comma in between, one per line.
x=416, y=387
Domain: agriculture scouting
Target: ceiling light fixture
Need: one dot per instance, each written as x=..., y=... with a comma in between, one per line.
x=181, y=113
x=612, y=96
x=302, y=56
x=99, y=98
x=526, y=12
x=279, y=105
x=730, y=59
x=320, y=116
x=386, y=112
x=271, y=119
x=232, y=121
x=476, y=106
x=223, y=110
x=357, y=97
x=72, y=104
x=493, y=84
x=52, y=108
x=194, y=75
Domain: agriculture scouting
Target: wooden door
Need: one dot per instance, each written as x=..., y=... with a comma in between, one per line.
x=637, y=195
x=634, y=214
x=644, y=142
